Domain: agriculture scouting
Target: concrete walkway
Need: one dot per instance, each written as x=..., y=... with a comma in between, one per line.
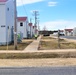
x=34, y=45
x=69, y=40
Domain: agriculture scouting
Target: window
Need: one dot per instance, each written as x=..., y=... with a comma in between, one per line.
x=21, y=24
x=7, y=9
x=3, y=26
x=8, y=27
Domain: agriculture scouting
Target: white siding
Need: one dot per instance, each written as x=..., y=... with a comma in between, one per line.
x=28, y=30
x=2, y=24
x=33, y=31
x=6, y=19
x=74, y=31
x=10, y=18
x=25, y=29
x=22, y=29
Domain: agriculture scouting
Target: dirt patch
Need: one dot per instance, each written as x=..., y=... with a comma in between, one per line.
x=47, y=37
x=21, y=46
x=48, y=43
x=37, y=55
x=37, y=62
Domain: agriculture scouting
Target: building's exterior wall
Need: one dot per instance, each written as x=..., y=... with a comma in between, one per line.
x=20, y=28
x=30, y=30
x=23, y=29
x=2, y=24
x=68, y=32
x=26, y=28
x=74, y=31
x=33, y=31
x=10, y=19
x=6, y=21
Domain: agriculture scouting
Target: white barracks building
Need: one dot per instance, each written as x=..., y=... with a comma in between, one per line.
x=22, y=26
x=6, y=21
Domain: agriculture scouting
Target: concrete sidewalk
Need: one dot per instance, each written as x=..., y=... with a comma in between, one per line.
x=69, y=40
x=34, y=45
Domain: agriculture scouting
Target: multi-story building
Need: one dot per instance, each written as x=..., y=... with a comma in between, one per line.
x=6, y=21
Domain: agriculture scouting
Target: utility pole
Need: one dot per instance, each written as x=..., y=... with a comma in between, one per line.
x=15, y=26
x=35, y=14
x=58, y=38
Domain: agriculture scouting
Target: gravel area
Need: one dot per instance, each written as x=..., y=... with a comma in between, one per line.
x=37, y=62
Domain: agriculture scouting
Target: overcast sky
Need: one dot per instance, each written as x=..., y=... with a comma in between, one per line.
x=53, y=14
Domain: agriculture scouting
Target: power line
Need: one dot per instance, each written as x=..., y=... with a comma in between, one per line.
x=24, y=7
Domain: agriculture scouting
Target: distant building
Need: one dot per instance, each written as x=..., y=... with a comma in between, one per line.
x=33, y=30
x=37, y=32
x=74, y=31
x=22, y=26
x=62, y=32
x=6, y=21
x=68, y=32
x=30, y=30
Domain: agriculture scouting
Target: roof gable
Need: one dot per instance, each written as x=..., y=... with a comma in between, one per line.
x=30, y=24
x=21, y=18
x=3, y=0
x=69, y=30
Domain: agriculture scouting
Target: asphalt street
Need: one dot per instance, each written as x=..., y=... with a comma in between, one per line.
x=69, y=37
x=38, y=71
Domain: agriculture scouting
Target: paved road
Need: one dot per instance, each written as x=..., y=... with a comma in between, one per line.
x=69, y=37
x=39, y=71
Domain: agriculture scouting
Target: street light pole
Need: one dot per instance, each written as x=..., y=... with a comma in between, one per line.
x=15, y=26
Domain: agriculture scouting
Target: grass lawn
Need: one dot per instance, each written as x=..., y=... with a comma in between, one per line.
x=20, y=46
x=47, y=43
